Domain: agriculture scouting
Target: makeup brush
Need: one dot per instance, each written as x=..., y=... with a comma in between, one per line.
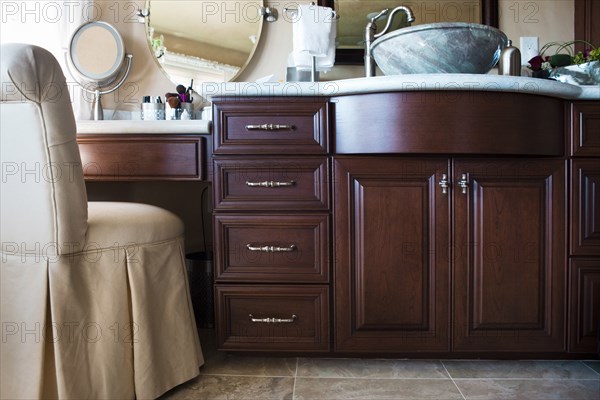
x=188, y=93
x=181, y=91
x=173, y=101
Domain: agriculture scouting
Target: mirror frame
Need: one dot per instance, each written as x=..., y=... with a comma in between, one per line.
x=166, y=74
x=489, y=16
x=109, y=76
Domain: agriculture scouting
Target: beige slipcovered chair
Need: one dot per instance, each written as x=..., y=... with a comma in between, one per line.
x=95, y=301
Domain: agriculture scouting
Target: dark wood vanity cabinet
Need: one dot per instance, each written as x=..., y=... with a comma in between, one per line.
x=272, y=224
x=376, y=246
x=584, y=249
x=449, y=254
x=461, y=252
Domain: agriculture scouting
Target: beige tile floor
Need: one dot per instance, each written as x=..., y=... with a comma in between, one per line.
x=233, y=377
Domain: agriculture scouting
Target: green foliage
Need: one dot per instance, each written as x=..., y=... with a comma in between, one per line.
x=563, y=55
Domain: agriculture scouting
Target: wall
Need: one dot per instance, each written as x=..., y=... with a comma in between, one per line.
x=550, y=20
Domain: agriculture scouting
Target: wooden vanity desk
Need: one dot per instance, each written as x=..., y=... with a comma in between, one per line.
x=136, y=161
x=417, y=224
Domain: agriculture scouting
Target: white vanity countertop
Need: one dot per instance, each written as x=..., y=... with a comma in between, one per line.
x=196, y=126
x=417, y=82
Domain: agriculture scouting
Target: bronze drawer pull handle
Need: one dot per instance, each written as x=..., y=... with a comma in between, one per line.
x=271, y=249
x=272, y=320
x=270, y=184
x=269, y=127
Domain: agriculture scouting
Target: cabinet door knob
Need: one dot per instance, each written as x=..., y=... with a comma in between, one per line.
x=271, y=249
x=444, y=184
x=272, y=320
x=269, y=127
x=463, y=183
x=270, y=184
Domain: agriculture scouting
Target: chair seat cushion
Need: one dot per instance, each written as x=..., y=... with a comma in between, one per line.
x=117, y=224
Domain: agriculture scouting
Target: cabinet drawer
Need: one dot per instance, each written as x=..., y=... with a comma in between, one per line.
x=270, y=126
x=271, y=183
x=142, y=157
x=585, y=129
x=272, y=248
x=272, y=318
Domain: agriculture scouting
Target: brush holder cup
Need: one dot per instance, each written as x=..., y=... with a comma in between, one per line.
x=153, y=111
x=183, y=111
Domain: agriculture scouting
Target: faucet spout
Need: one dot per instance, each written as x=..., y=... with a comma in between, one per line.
x=370, y=30
x=370, y=34
x=410, y=17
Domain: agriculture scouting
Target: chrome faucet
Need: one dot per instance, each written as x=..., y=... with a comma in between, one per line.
x=370, y=34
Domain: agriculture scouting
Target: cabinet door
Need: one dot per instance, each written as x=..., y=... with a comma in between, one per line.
x=585, y=129
x=585, y=207
x=391, y=255
x=510, y=255
x=585, y=305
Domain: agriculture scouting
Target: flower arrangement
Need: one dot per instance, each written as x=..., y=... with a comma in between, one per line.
x=563, y=56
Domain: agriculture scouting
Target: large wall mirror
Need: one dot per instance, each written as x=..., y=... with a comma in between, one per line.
x=353, y=19
x=207, y=41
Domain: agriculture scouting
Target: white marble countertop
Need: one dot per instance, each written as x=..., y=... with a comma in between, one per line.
x=196, y=126
x=380, y=84
x=417, y=82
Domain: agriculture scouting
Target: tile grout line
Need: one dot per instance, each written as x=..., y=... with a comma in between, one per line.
x=452, y=379
x=247, y=376
x=583, y=362
x=526, y=379
x=295, y=378
x=396, y=378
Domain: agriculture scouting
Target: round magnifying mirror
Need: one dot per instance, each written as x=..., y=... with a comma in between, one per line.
x=96, y=55
x=96, y=52
x=206, y=41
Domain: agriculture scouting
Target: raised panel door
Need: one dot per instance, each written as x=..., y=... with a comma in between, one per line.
x=585, y=305
x=391, y=255
x=585, y=207
x=585, y=129
x=509, y=252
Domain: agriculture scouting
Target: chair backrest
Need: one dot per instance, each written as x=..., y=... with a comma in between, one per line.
x=43, y=202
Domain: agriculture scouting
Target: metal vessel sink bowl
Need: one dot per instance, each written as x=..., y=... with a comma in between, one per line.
x=454, y=47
